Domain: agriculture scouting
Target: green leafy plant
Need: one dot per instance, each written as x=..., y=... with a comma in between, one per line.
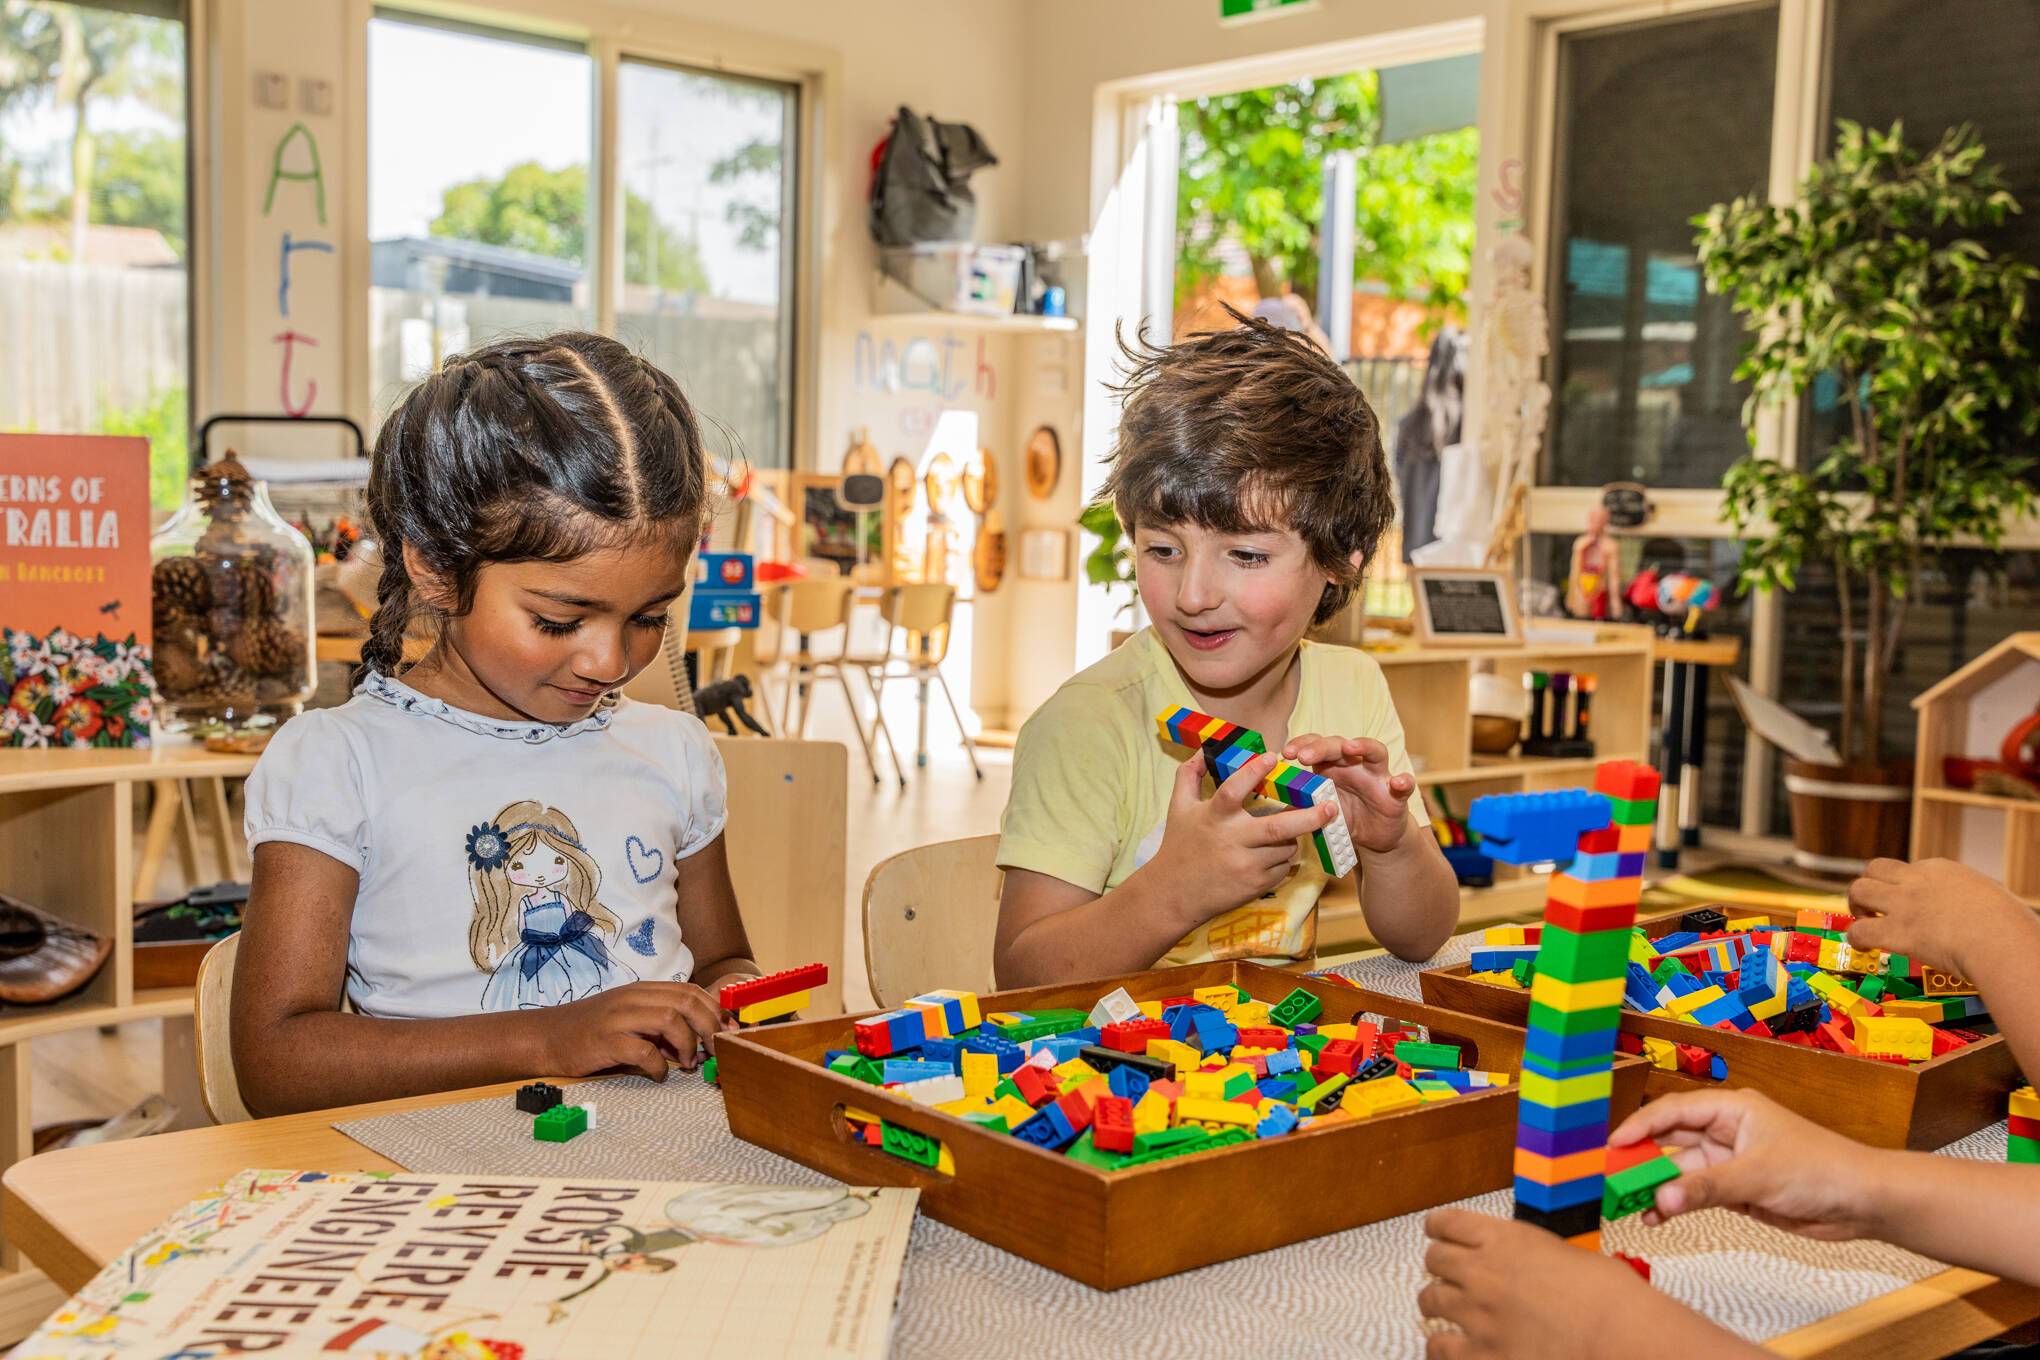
x=1868, y=277
x=1110, y=564
x=161, y=418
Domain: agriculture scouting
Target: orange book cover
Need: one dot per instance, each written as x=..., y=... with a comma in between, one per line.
x=74, y=591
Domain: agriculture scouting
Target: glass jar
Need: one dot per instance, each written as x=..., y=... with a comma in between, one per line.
x=231, y=595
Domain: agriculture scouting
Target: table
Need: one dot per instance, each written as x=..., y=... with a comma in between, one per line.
x=74, y=1210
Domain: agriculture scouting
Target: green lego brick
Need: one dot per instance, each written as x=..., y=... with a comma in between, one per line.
x=1085, y=1150
x=2023, y=1150
x=1324, y=854
x=1250, y=740
x=857, y=1067
x=1573, y=1022
x=908, y=1145
x=1330, y=1086
x=1428, y=1055
x=1312, y=1044
x=1632, y=811
x=1165, y=1138
x=1238, y=1082
x=1873, y=989
x=1524, y=971
x=1043, y=1023
x=985, y=1119
x=1298, y=1008
x=1573, y=1067
x=1634, y=1190
x=559, y=1124
x=1007, y=1088
x=1666, y=967
x=1571, y=956
x=710, y=1073
x=1902, y=989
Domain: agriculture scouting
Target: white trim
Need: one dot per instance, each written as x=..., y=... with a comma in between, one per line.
x=1400, y=47
x=1853, y=793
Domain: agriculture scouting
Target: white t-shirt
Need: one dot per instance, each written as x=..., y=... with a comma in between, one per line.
x=504, y=865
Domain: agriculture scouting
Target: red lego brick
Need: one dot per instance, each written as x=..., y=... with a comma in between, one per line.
x=1131, y=1036
x=1626, y=779
x=1635, y=1263
x=1036, y=1086
x=1258, y=1036
x=1606, y=841
x=1631, y=1154
x=1585, y=920
x=1948, y=1040
x=1112, y=1124
x=785, y=983
x=2024, y=1126
x=1694, y=1059
x=1340, y=1055
x=1077, y=1110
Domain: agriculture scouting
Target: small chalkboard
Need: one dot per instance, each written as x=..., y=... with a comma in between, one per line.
x=1465, y=607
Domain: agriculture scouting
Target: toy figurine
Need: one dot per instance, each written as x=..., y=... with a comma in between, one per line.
x=1593, y=586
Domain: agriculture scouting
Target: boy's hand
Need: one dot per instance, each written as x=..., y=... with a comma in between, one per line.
x=1216, y=855
x=1740, y=1150
x=1512, y=1288
x=638, y=1028
x=1937, y=910
x=1375, y=802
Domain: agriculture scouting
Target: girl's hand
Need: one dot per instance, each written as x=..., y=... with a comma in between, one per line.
x=1375, y=802
x=1739, y=1150
x=1937, y=910
x=639, y=1028
x=1215, y=855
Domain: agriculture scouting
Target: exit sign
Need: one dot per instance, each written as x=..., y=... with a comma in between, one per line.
x=1237, y=11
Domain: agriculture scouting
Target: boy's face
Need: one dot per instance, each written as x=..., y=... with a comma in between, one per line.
x=1226, y=605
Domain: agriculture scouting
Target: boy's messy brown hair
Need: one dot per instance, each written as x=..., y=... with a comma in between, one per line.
x=1247, y=430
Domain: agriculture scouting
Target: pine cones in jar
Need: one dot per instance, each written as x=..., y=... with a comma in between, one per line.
x=270, y=647
x=177, y=667
x=179, y=589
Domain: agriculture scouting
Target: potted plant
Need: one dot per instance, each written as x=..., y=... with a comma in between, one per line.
x=1869, y=276
x=1110, y=564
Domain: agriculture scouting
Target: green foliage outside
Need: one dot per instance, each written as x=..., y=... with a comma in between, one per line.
x=1110, y=563
x=545, y=212
x=164, y=420
x=1252, y=166
x=1867, y=275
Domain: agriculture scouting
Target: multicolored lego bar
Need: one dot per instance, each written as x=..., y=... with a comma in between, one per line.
x=756, y=1000
x=1228, y=746
x=1567, y=1180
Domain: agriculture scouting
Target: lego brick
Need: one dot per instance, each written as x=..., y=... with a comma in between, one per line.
x=980, y=1073
x=2025, y=1103
x=1594, y=1087
x=882, y=1035
x=1572, y=1166
x=1563, y=888
x=1627, y=779
x=1551, y=1046
x=1703, y=920
x=1112, y=1124
x=1879, y=1035
x=1632, y=811
x=560, y=1124
x=1633, y=1189
x=738, y=994
x=710, y=1073
x=1585, y=920
x=1561, y=1142
x=1568, y=1222
x=1574, y=997
x=1586, y=1190
x=912, y=1069
x=1544, y=1017
x=1573, y=956
x=1530, y=828
x=1597, y=868
x=1380, y=1097
x=1565, y=1070
x=1428, y=1055
x=538, y=1097
x=1213, y=1114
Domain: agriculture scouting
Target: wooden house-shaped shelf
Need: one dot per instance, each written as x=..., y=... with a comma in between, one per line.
x=1969, y=714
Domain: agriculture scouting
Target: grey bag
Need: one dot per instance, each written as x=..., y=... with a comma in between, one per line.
x=921, y=189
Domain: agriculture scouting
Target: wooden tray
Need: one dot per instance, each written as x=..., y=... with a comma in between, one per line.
x=1110, y=1229
x=1923, y=1106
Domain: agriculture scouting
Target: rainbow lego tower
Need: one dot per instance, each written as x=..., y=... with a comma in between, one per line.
x=1563, y=1168
x=1227, y=746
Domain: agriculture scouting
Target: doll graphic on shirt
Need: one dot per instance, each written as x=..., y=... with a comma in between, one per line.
x=538, y=930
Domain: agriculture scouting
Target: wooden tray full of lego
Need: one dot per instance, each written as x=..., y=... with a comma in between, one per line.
x=1902, y=1071
x=1115, y=1221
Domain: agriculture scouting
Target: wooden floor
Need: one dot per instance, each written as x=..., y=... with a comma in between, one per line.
x=89, y=1075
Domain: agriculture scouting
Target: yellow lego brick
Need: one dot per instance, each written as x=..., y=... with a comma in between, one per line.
x=1339, y=1031
x=1367, y=1098
x=1221, y=998
x=1750, y=923
x=967, y=1105
x=1693, y=1001
x=1150, y=1009
x=1204, y=1086
x=1881, y=1034
x=1150, y=1113
x=1899, y=1009
x=2025, y=1103
x=1179, y=1055
x=1505, y=935
x=1013, y=1110
x=852, y=1112
x=1575, y=996
x=772, y=1008
x=972, y=1017
x=1642, y=951
x=1075, y=1073
x=945, y=1160
x=1661, y=1053
x=1543, y=1090
x=1496, y=979
x=1436, y=1093
x=1836, y=994
x=1775, y=1005
x=1005, y=1018
x=1209, y=1113
x=980, y=1073
x=1250, y=1013
x=1241, y=1052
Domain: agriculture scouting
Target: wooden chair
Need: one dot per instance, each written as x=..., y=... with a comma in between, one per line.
x=212, y=1005
x=930, y=914
x=923, y=612
x=803, y=610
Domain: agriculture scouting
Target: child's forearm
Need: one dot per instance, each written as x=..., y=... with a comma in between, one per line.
x=2005, y=980
x=1967, y=1213
x=322, y=1059
x=1409, y=896
x=713, y=973
x=1124, y=931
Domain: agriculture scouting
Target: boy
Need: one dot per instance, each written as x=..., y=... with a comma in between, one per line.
x=1249, y=474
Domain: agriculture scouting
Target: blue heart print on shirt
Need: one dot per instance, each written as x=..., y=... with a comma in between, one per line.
x=641, y=938
x=635, y=849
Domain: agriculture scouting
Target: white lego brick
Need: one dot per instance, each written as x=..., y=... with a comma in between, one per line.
x=933, y=1090
x=1112, y=1008
x=1338, y=841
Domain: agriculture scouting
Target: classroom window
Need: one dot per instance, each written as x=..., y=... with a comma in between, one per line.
x=95, y=226
x=1656, y=122
x=481, y=217
x=707, y=168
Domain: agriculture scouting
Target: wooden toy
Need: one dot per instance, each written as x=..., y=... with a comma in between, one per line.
x=2023, y=1141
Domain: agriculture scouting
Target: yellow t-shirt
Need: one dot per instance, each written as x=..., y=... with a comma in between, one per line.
x=1092, y=778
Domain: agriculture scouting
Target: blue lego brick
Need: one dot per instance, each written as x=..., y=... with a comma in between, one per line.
x=910, y=1069
x=1631, y=865
x=1549, y=1046
x=1468, y=862
x=1597, y=868
x=1547, y=1197
x=1729, y=1008
x=1683, y=983
x=1560, y=1142
x=1677, y=940
x=1639, y=988
x=1584, y=1066
x=1062, y=1046
x=1226, y=763
x=1089, y=1034
x=1182, y=1021
x=943, y=1051
x=1530, y=828
x=1009, y=1054
x=1127, y=1081
x=1798, y=994
x=1556, y=1117
x=1050, y=1128
x=1501, y=958
x=1214, y=1032
x=1284, y=1061
x=1279, y=1121
x=830, y=1055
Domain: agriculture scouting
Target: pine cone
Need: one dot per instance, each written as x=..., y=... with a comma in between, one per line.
x=178, y=670
x=179, y=588
x=270, y=647
x=258, y=590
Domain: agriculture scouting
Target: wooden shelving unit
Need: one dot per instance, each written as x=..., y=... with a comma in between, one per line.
x=1968, y=714
x=67, y=846
x=1431, y=687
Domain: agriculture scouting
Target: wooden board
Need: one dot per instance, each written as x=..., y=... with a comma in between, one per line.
x=1923, y=1106
x=1117, y=1228
x=789, y=835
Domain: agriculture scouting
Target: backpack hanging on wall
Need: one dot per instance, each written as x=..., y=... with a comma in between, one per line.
x=920, y=186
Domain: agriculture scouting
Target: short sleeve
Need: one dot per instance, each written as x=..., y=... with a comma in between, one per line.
x=310, y=788
x=702, y=788
x=1069, y=773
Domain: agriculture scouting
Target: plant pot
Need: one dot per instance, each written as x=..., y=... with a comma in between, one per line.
x=1844, y=816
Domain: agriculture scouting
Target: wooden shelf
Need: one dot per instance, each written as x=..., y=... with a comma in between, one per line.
x=1974, y=799
x=175, y=758
x=157, y=1003
x=1504, y=767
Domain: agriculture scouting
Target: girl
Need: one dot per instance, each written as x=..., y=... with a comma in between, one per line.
x=536, y=501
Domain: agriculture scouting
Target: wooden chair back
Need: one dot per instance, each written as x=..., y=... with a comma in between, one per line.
x=930, y=914
x=212, y=1004
x=924, y=612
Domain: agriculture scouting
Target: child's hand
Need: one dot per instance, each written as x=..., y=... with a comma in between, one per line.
x=1740, y=1150
x=1375, y=802
x=1216, y=855
x=1511, y=1288
x=638, y=1028
x=1937, y=910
